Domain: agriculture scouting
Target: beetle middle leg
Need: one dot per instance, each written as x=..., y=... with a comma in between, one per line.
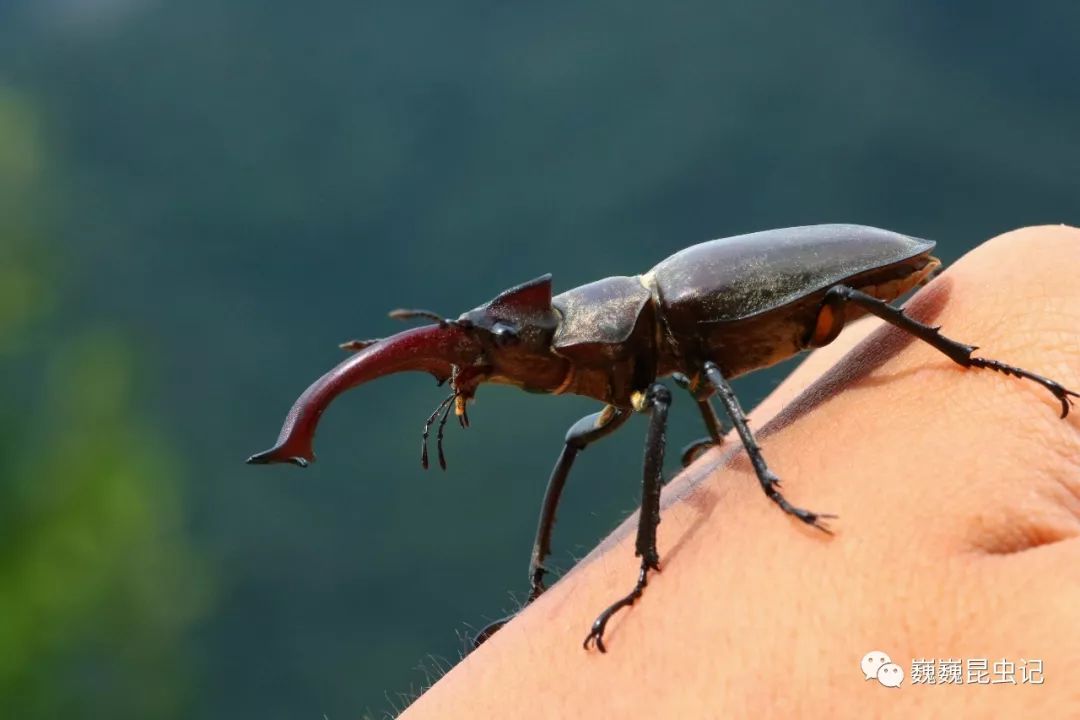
x=696, y=448
x=656, y=400
x=769, y=481
x=584, y=432
x=956, y=351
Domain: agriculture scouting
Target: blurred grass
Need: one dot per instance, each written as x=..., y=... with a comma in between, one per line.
x=98, y=581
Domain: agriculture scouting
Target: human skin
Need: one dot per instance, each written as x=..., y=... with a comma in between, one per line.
x=958, y=536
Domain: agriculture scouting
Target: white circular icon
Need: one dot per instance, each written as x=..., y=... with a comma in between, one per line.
x=872, y=662
x=890, y=675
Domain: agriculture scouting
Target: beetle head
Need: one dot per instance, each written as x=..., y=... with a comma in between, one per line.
x=507, y=340
x=514, y=332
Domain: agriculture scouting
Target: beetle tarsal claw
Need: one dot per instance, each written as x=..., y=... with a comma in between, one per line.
x=1058, y=390
x=813, y=519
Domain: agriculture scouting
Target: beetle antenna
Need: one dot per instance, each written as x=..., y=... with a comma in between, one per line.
x=427, y=431
x=404, y=314
x=442, y=426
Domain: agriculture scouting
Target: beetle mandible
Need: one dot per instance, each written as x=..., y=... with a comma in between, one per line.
x=703, y=316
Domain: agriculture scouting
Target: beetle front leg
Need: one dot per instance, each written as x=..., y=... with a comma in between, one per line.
x=956, y=351
x=583, y=433
x=656, y=400
x=769, y=481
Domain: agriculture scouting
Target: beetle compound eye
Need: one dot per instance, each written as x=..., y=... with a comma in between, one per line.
x=504, y=334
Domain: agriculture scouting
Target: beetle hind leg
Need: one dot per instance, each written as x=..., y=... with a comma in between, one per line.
x=956, y=351
x=1062, y=393
x=769, y=481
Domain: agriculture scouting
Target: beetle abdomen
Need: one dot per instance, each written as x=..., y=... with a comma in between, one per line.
x=738, y=277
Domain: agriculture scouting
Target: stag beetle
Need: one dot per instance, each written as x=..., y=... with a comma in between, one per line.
x=703, y=316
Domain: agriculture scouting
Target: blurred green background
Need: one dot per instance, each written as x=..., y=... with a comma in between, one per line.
x=199, y=199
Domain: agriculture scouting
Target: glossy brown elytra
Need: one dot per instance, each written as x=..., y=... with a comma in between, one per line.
x=703, y=316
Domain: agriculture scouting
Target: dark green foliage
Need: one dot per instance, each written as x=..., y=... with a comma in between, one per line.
x=98, y=583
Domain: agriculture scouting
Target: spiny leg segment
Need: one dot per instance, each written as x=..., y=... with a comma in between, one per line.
x=657, y=400
x=769, y=481
x=956, y=351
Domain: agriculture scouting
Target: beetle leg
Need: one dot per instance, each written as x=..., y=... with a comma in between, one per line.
x=768, y=480
x=693, y=450
x=956, y=351
x=581, y=434
x=656, y=400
